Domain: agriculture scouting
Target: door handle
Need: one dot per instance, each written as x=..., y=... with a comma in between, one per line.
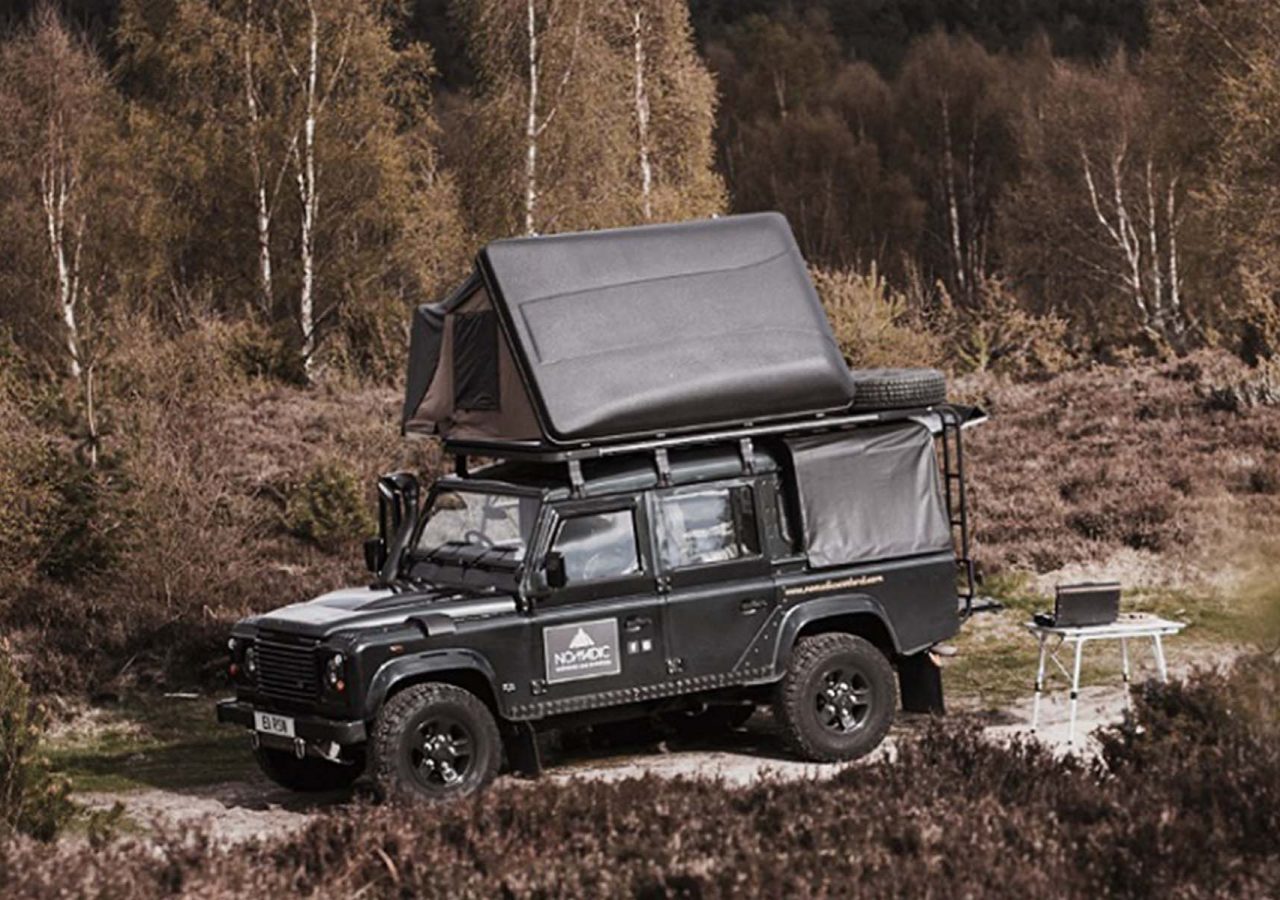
x=636, y=623
x=752, y=606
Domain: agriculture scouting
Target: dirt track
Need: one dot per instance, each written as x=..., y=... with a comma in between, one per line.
x=255, y=808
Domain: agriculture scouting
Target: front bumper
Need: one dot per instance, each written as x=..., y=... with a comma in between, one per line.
x=312, y=729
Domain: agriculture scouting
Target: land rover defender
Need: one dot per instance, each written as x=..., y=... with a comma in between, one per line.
x=666, y=524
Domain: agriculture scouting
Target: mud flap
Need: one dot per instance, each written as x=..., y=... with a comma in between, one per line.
x=920, y=680
x=522, y=749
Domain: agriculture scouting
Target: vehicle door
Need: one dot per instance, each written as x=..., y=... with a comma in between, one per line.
x=718, y=584
x=602, y=629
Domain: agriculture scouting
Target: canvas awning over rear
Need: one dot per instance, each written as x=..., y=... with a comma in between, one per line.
x=625, y=333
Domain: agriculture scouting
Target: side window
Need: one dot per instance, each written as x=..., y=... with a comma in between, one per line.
x=598, y=546
x=707, y=526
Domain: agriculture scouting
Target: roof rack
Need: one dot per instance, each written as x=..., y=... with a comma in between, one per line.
x=536, y=451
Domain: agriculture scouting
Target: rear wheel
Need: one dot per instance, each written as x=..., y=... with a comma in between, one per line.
x=306, y=775
x=837, y=700
x=434, y=742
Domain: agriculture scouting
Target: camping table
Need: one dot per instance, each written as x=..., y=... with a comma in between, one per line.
x=1126, y=627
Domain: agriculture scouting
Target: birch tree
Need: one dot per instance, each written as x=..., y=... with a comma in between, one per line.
x=552, y=118
x=1100, y=212
x=56, y=151
x=673, y=102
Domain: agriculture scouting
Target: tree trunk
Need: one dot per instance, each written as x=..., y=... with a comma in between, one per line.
x=308, y=194
x=642, y=120
x=262, y=206
x=953, y=208
x=531, y=126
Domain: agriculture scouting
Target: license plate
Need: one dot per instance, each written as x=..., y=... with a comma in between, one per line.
x=270, y=723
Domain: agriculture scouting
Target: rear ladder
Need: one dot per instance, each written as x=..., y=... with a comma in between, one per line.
x=957, y=501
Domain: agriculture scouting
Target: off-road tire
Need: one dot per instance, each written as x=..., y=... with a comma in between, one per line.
x=897, y=388
x=796, y=700
x=307, y=775
x=396, y=733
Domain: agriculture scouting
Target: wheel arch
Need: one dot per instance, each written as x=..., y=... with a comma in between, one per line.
x=856, y=614
x=461, y=668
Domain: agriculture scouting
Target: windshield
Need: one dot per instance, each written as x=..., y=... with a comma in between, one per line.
x=479, y=526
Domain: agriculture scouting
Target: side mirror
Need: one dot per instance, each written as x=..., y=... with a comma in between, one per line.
x=556, y=575
x=375, y=554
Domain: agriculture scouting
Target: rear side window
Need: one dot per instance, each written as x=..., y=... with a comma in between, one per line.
x=598, y=546
x=706, y=526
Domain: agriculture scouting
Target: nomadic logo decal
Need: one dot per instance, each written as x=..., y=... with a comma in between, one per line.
x=581, y=650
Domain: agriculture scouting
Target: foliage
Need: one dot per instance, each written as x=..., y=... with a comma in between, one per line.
x=32, y=800
x=874, y=324
x=996, y=333
x=329, y=506
x=1183, y=803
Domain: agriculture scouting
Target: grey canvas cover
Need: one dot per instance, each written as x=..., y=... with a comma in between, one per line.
x=869, y=493
x=635, y=331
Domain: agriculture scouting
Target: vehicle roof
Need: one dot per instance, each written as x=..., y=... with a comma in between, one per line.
x=615, y=475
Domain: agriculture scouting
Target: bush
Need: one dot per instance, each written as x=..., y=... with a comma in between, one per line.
x=873, y=323
x=32, y=800
x=996, y=334
x=329, y=507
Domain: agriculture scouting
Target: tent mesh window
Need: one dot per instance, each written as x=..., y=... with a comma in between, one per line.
x=475, y=361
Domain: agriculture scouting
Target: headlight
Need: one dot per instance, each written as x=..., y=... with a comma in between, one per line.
x=335, y=672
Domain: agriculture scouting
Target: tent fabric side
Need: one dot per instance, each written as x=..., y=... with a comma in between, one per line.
x=870, y=494
x=462, y=381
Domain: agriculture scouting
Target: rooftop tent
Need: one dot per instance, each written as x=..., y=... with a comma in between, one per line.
x=626, y=333
x=870, y=493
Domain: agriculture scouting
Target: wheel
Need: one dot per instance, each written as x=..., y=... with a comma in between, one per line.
x=306, y=775
x=434, y=742
x=711, y=722
x=897, y=388
x=837, y=699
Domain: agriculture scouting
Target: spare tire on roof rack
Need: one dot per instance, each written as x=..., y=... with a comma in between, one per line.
x=897, y=388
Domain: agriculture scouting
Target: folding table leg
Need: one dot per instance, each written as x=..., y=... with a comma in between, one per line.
x=1035, y=704
x=1160, y=665
x=1124, y=667
x=1075, y=691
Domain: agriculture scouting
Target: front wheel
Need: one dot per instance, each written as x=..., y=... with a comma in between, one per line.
x=434, y=742
x=837, y=700
x=306, y=775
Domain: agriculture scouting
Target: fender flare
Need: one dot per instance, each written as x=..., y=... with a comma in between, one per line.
x=396, y=671
x=810, y=611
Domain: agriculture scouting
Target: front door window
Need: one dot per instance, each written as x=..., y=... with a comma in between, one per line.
x=598, y=546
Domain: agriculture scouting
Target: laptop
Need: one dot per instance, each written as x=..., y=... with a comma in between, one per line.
x=1082, y=605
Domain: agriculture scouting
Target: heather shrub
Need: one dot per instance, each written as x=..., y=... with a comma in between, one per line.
x=329, y=506
x=874, y=324
x=33, y=801
x=1184, y=802
x=27, y=499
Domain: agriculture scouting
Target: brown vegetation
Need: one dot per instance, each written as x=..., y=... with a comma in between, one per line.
x=1085, y=464
x=1184, y=802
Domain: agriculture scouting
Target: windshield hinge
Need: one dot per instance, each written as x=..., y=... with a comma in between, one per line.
x=577, y=483
x=663, y=463
x=748, y=452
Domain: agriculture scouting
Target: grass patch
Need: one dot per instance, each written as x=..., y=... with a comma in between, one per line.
x=996, y=662
x=152, y=742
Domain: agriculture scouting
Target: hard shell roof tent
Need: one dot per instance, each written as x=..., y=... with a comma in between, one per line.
x=633, y=332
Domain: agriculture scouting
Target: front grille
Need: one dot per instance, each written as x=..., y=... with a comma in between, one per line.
x=288, y=670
